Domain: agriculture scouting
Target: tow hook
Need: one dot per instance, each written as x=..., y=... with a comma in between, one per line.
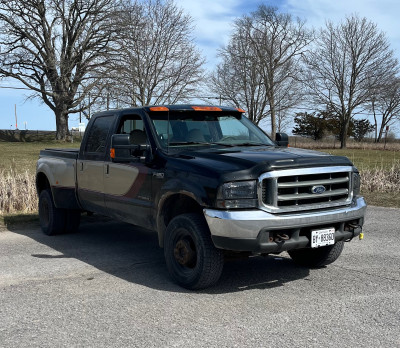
x=281, y=237
x=354, y=227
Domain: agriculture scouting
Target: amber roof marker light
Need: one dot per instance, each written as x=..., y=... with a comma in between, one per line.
x=159, y=108
x=240, y=110
x=206, y=108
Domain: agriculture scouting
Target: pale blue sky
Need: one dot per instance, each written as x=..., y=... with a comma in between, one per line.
x=212, y=20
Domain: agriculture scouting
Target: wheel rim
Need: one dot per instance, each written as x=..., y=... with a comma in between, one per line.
x=185, y=252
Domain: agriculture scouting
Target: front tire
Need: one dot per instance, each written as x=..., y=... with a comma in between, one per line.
x=317, y=257
x=191, y=257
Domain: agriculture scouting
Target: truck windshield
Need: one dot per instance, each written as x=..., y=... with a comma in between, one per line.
x=185, y=131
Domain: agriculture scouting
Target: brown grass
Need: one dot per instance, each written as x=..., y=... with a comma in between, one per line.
x=17, y=192
x=332, y=143
x=381, y=180
x=380, y=173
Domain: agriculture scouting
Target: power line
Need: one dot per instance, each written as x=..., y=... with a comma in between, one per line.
x=157, y=96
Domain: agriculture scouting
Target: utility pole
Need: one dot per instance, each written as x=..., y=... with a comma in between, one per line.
x=16, y=120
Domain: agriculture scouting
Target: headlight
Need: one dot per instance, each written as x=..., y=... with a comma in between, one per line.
x=356, y=184
x=237, y=194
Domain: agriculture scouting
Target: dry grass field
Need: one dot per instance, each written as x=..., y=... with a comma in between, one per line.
x=333, y=144
x=379, y=168
x=379, y=165
x=17, y=175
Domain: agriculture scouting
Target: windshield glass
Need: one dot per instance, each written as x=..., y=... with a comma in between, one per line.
x=184, y=131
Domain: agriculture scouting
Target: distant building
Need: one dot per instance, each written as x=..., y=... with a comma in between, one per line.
x=82, y=127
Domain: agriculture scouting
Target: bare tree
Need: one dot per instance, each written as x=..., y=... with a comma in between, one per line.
x=237, y=78
x=275, y=42
x=55, y=47
x=261, y=65
x=156, y=61
x=283, y=120
x=347, y=59
x=385, y=102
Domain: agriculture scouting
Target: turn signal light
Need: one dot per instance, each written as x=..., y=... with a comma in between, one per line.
x=159, y=108
x=112, y=152
x=206, y=108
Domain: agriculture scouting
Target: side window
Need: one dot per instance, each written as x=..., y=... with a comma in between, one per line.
x=97, y=138
x=133, y=125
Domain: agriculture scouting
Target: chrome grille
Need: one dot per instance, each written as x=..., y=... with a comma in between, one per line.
x=305, y=188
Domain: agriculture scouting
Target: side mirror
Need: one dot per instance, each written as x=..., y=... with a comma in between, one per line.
x=123, y=151
x=282, y=139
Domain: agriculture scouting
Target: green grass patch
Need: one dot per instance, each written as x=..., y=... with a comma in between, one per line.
x=22, y=156
x=369, y=159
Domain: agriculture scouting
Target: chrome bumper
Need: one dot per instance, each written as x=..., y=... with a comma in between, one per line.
x=247, y=224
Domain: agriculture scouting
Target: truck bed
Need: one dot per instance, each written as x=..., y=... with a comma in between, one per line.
x=64, y=153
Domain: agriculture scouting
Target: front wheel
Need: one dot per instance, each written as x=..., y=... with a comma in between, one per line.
x=190, y=255
x=317, y=257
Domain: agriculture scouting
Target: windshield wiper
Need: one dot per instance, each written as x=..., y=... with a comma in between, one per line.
x=216, y=143
x=252, y=144
x=185, y=143
x=222, y=144
x=198, y=143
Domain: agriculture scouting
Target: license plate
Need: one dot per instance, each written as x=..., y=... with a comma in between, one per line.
x=321, y=238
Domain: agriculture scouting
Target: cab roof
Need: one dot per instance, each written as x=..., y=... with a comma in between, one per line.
x=191, y=107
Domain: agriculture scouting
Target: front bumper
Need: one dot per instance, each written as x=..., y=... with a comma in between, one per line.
x=256, y=230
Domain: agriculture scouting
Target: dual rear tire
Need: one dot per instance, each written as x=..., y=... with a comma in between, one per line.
x=54, y=220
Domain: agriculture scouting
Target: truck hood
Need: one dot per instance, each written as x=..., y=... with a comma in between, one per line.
x=252, y=161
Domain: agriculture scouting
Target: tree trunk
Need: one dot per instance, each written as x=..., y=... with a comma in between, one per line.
x=273, y=124
x=343, y=135
x=62, y=123
x=381, y=129
x=273, y=115
x=375, y=122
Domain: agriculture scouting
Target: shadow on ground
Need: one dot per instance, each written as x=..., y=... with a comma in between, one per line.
x=132, y=254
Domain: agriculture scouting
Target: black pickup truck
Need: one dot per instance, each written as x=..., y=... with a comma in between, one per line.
x=209, y=182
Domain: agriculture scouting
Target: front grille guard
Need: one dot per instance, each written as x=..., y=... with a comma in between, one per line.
x=268, y=195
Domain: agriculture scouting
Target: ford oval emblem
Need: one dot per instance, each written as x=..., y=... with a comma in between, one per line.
x=318, y=189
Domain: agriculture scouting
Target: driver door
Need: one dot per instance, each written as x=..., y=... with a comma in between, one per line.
x=127, y=186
